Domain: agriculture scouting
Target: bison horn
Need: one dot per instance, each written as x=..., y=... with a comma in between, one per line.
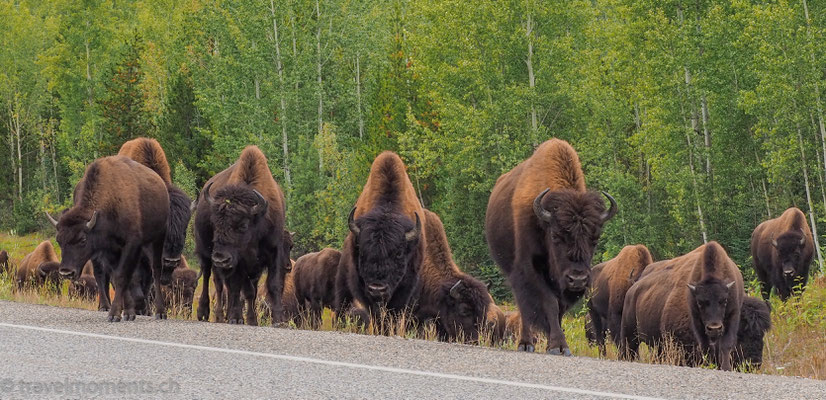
x=611, y=210
x=730, y=284
x=540, y=212
x=261, y=205
x=455, y=290
x=692, y=287
x=774, y=241
x=208, y=198
x=803, y=236
x=414, y=234
x=193, y=205
x=52, y=220
x=352, y=223
x=93, y=221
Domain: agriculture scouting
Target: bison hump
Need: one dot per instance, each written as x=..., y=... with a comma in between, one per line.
x=148, y=152
x=389, y=184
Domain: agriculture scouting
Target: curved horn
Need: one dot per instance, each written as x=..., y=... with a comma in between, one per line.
x=208, y=198
x=193, y=205
x=611, y=210
x=803, y=237
x=692, y=287
x=352, y=223
x=413, y=234
x=454, y=291
x=774, y=241
x=93, y=221
x=52, y=220
x=730, y=284
x=540, y=212
x=261, y=204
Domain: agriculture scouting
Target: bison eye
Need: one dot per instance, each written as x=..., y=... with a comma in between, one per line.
x=702, y=303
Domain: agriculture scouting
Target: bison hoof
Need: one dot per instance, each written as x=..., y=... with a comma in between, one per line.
x=103, y=308
x=203, y=317
x=160, y=316
x=233, y=321
x=556, y=352
x=114, y=318
x=525, y=347
x=129, y=317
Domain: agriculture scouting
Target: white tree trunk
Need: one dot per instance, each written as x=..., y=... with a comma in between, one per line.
x=809, y=200
x=90, y=95
x=320, y=88
x=531, y=77
x=818, y=101
x=283, y=118
x=19, y=155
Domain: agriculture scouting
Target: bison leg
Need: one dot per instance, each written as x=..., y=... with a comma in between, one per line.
x=203, y=300
x=598, y=328
x=249, y=295
x=102, y=281
x=122, y=275
x=154, y=254
x=628, y=344
x=234, y=306
x=275, y=288
x=220, y=299
x=765, y=284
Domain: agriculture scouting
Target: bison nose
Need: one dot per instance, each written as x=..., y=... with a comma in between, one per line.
x=714, y=329
x=377, y=289
x=577, y=281
x=221, y=260
x=171, y=262
x=788, y=272
x=67, y=272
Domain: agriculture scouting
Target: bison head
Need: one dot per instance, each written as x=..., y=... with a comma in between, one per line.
x=84, y=287
x=386, y=245
x=572, y=222
x=755, y=321
x=789, y=248
x=709, y=301
x=73, y=235
x=47, y=273
x=236, y=213
x=180, y=211
x=462, y=308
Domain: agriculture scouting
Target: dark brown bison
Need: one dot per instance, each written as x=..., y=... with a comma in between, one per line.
x=314, y=276
x=39, y=268
x=694, y=300
x=150, y=153
x=755, y=321
x=542, y=226
x=383, y=252
x=239, y=234
x=611, y=280
x=459, y=304
x=120, y=212
x=180, y=291
x=85, y=286
x=782, y=251
x=5, y=265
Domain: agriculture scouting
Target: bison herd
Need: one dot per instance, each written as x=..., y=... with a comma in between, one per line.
x=127, y=227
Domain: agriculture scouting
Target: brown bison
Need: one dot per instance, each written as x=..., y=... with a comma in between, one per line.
x=314, y=276
x=85, y=286
x=782, y=251
x=694, y=300
x=39, y=268
x=150, y=153
x=120, y=212
x=611, y=280
x=239, y=234
x=542, y=226
x=180, y=291
x=383, y=252
x=755, y=321
x=5, y=265
x=459, y=303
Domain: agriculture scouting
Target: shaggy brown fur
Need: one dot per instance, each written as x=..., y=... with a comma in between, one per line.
x=39, y=267
x=782, y=250
x=181, y=290
x=694, y=300
x=387, y=224
x=120, y=212
x=755, y=321
x=239, y=240
x=542, y=226
x=611, y=280
x=4, y=261
x=459, y=303
x=314, y=276
x=149, y=153
x=85, y=286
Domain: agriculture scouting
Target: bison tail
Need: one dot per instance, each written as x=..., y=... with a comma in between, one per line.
x=179, y=215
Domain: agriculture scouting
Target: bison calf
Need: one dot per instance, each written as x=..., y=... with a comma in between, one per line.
x=180, y=291
x=314, y=277
x=85, y=286
x=755, y=321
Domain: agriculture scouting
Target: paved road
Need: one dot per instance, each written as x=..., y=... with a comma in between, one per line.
x=48, y=352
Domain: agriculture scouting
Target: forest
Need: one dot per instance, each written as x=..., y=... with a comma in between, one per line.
x=701, y=117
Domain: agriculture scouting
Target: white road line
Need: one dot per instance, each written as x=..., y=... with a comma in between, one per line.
x=337, y=363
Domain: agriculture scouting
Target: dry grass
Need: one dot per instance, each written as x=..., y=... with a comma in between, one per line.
x=796, y=345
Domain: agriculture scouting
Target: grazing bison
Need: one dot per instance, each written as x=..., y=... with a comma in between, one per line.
x=119, y=214
x=239, y=234
x=694, y=300
x=180, y=291
x=150, y=153
x=459, y=303
x=782, y=251
x=85, y=286
x=314, y=277
x=4, y=261
x=39, y=268
x=542, y=226
x=611, y=280
x=755, y=321
x=383, y=252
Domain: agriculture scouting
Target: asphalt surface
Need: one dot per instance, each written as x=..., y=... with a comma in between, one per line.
x=50, y=352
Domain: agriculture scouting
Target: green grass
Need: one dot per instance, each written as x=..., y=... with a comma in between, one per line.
x=796, y=345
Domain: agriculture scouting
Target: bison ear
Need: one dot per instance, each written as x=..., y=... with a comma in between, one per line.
x=414, y=233
x=730, y=284
x=351, y=222
x=91, y=224
x=541, y=213
x=456, y=290
x=692, y=287
x=52, y=220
